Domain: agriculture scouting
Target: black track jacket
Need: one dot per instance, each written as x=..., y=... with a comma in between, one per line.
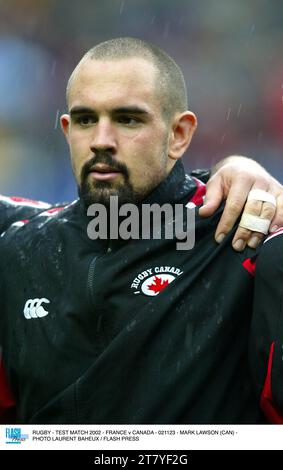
x=267, y=327
x=124, y=332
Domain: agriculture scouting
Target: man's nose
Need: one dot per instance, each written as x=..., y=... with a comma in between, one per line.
x=104, y=137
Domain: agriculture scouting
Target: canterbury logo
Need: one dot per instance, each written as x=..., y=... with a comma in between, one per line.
x=33, y=308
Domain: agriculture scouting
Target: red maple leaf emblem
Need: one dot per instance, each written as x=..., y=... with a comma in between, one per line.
x=157, y=284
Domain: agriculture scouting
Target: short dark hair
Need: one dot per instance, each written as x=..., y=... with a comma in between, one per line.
x=170, y=82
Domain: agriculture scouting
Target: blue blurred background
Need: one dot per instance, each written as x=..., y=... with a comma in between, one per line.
x=230, y=52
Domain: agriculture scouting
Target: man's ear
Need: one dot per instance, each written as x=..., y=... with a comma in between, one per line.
x=65, y=124
x=182, y=131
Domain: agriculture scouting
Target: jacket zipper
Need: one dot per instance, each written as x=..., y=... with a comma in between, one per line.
x=90, y=276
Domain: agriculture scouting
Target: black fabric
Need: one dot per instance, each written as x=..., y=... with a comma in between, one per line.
x=109, y=353
x=203, y=175
x=12, y=211
x=267, y=324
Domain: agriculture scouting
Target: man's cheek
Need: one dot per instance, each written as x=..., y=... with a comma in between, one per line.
x=77, y=165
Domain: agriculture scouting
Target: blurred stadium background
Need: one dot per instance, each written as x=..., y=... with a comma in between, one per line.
x=230, y=52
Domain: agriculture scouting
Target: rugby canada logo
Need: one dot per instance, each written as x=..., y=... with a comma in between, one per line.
x=153, y=280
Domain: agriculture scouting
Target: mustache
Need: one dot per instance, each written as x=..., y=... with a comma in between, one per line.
x=105, y=157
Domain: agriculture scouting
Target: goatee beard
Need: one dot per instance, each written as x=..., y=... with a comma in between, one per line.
x=102, y=190
x=91, y=192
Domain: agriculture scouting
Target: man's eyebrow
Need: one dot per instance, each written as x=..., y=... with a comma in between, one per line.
x=130, y=110
x=120, y=110
x=81, y=110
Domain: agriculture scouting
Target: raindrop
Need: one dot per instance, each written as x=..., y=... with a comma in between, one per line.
x=252, y=29
x=122, y=7
x=153, y=20
x=223, y=138
x=53, y=68
x=131, y=325
x=239, y=110
x=56, y=119
x=228, y=114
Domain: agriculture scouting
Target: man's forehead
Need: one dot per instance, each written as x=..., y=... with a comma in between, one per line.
x=97, y=78
x=122, y=71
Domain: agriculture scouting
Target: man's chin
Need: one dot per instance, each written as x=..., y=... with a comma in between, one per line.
x=97, y=197
x=103, y=196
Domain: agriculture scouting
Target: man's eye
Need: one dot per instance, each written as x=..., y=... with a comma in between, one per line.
x=128, y=120
x=85, y=120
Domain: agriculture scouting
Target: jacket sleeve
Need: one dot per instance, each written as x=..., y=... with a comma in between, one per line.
x=266, y=346
x=7, y=402
x=15, y=209
x=202, y=174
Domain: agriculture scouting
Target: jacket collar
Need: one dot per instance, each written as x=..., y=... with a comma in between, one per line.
x=177, y=187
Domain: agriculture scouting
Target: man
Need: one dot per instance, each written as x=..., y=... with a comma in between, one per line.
x=128, y=331
x=266, y=348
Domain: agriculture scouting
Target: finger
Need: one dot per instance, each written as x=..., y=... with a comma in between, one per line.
x=264, y=210
x=243, y=236
x=277, y=220
x=233, y=208
x=236, y=201
x=267, y=212
x=213, y=198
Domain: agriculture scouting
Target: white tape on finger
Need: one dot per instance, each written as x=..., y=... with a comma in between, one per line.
x=255, y=223
x=260, y=195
